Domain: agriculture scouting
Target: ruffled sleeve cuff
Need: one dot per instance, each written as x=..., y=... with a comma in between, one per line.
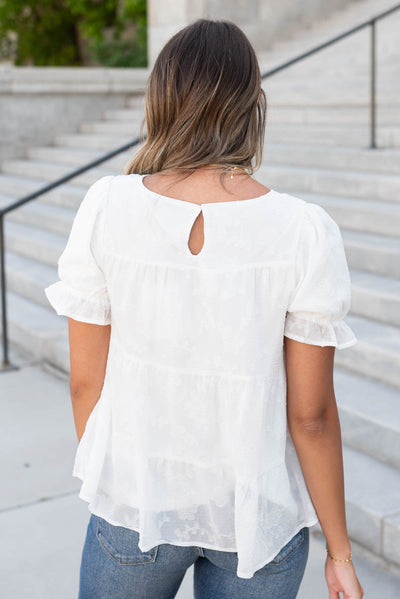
x=320, y=332
x=91, y=308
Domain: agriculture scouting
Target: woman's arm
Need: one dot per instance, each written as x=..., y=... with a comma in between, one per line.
x=315, y=430
x=88, y=347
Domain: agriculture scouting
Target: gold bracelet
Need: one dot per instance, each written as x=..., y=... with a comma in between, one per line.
x=349, y=559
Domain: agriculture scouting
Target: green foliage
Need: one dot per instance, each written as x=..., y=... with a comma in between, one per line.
x=45, y=32
x=67, y=32
x=93, y=15
x=119, y=53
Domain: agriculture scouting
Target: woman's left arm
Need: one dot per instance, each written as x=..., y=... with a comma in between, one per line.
x=88, y=350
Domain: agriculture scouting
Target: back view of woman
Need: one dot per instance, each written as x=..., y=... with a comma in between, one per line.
x=204, y=309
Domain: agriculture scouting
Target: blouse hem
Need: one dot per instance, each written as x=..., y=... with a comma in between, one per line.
x=241, y=574
x=265, y=561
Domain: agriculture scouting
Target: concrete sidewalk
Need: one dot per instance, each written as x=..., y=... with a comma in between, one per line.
x=42, y=520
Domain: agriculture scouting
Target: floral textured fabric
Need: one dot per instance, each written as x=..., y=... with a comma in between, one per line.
x=188, y=443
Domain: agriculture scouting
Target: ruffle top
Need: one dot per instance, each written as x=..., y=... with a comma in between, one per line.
x=188, y=443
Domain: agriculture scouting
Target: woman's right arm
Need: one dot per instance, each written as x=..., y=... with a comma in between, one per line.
x=315, y=430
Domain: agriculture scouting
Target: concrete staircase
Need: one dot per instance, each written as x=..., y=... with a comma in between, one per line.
x=317, y=148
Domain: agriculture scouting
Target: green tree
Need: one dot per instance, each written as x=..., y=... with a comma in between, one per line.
x=74, y=32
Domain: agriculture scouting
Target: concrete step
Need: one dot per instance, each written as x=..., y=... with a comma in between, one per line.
x=34, y=243
x=373, y=504
x=76, y=157
x=327, y=115
x=15, y=187
x=357, y=184
x=369, y=416
x=136, y=102
x=99, y=143
x=355, y=159
x=356, y=136
x=373, y=253
x=57, y=219
x=49, y=171
x=39, y=329
x=329, y=92
x=132, y=115
x=28, y=277
x=375, y=297
x=115, y=128
x=359, y=215
x=377, y=353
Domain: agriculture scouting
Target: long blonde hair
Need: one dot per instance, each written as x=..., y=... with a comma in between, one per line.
x=204, y=104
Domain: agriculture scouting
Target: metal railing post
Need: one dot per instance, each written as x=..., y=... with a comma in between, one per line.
x=5, y=362
x=3, y=295
x=373, y=87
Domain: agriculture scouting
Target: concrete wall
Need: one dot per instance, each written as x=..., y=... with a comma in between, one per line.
x=264, y=21
x=37, y=103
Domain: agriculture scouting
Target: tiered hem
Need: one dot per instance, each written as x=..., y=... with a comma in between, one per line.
x=254, y=516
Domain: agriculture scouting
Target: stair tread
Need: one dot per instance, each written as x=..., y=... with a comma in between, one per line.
x=59, y=169
x=354, y=174
x=378, y=206
x=60, y=140
x=372, y=239
x=33, y=317
x=378, y=334
x=86, y=155
x=34, y=271
x=30, y=184
x=377, y=284
x=371, y=399
x=371, y=483
x=43, y=237
x=40, y=208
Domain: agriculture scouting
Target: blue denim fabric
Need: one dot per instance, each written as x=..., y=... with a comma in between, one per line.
x=113, y=567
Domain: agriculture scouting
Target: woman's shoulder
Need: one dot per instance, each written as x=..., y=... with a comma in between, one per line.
x=120, y=187
x=309, y=214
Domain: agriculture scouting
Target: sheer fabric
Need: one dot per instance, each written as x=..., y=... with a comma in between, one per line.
x=188, y=443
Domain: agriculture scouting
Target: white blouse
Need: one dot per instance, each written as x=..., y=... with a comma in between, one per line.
x=188, y=443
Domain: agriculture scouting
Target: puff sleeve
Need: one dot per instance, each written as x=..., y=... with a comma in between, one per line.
x=81, y=293
x=322, y=294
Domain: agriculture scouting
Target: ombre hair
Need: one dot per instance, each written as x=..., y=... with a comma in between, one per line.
x=204, y=104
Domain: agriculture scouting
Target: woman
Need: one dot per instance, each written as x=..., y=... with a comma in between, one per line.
x=204, y=310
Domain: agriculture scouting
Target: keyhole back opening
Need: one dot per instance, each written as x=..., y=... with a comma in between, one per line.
x=196, y=236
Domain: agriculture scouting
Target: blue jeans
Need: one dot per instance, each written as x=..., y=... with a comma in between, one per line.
x=113, y=567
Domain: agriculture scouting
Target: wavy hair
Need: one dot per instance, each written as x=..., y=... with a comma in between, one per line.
x=204, y=104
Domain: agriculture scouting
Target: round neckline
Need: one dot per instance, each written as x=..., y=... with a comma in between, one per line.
x=178, y=201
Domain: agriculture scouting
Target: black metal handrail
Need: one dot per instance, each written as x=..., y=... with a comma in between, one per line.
x=6, y=365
